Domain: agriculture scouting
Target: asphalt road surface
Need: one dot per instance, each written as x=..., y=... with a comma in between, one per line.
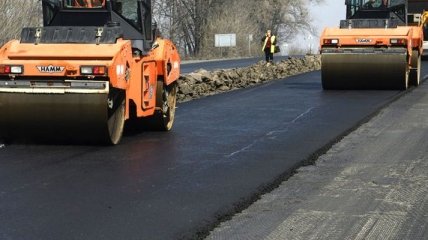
x=188, y=67
x=223, y=152
x=371, y=185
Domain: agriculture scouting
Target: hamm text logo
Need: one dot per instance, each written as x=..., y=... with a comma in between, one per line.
x=364, y=40
x=50, y=69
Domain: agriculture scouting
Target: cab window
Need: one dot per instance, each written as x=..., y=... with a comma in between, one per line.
x=85, y=3
x=129, y=10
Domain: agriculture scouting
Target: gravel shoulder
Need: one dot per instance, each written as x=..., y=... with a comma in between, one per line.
x=373, y=184
x=202, y=83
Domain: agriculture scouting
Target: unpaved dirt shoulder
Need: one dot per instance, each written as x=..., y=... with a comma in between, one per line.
x=204, y=83
x=371, y=185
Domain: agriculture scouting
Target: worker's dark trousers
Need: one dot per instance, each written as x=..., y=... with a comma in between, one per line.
x=269, y=55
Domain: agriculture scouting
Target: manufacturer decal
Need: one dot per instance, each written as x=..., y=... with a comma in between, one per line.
x=364, y=40
x=50, y=69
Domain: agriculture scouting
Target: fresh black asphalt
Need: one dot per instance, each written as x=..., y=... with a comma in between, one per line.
x=223, y=152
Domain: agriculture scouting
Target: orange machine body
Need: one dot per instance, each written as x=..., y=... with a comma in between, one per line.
x=410, y=38
x=91, y=67
x=378, y=46
x=138, y=76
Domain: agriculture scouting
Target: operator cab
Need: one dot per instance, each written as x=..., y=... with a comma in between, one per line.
x=374, y=14
x=95, y=21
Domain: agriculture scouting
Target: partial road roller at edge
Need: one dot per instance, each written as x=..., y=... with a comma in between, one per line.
x=376, y=47
x=85, y=72
x=423, y=23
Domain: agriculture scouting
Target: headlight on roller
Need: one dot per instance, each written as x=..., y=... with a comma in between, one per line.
x=86, y=70
x=16, y=69
x=93, y=70
x=331, y=41
x=398, y=41
x=11, y=69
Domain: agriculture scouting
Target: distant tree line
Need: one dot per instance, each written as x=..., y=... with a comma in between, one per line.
x=192, y=24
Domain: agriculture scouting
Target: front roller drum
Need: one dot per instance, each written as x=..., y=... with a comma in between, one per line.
x=377, y=71
x=62, y=118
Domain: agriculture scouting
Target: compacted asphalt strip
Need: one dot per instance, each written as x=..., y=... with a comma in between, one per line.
x=191, y=66
x=371, y=185
x=223, y=152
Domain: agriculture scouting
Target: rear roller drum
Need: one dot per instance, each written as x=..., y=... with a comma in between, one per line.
x=166, y=100
x=415, y=71
x=404, y=84
x=116, y=117
x=169, y=102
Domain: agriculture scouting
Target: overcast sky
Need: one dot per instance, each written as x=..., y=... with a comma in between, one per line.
x=328, y=14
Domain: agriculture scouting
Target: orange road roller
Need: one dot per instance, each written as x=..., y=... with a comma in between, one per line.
x=92, y=66
x=374, y=48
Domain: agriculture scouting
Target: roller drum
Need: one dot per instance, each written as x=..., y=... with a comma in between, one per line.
x=66, y=118
x=61, y=111
x=378, y=70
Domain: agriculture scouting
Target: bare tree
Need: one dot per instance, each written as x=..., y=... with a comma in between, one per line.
x=286, y=18
x=184, y=21
x=191, y=24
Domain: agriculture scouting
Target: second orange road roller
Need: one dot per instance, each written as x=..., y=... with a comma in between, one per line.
x=93, y=65
x=417, y=12
x=376, y=47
